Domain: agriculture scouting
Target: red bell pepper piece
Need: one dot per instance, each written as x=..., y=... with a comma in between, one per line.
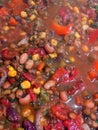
x=62, y=30
x=13, y=22
x=92, y=74
x=93, y=36
x=32, y=95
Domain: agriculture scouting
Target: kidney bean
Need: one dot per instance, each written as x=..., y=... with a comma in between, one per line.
x=63, y=96
x=49, y=84
x=25, y=100
x=49, y=48
x=23, y=58
x=29, y=64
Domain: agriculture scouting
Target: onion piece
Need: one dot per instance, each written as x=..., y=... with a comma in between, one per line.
x=3, y=78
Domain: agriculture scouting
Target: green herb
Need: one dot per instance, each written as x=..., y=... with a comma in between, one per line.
x=94, y=25
x=96, y=121
x=96, y=7
x=46, y=112
x=44, y=95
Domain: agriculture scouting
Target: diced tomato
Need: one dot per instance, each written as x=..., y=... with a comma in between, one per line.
x=62, y=30
x=65, y=75
x=61, y=74
x=72, y=75
x=8, y=55
x=56, y=126
x=48, y=127
x=95, y=65
x=16, y=6
x=5, y=102
x=92, y=74
x=73, y=124
x=60, y=111
x=3, y=11
x=93, y=36
x=13, y=22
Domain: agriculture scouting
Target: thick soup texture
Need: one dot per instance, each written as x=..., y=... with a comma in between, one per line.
x=49, y=65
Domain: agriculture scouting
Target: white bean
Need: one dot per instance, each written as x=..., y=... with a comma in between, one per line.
x=29, y=64
x=23, y=58
x=49, y=84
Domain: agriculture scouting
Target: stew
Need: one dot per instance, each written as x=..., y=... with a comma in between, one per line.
x=49, y=65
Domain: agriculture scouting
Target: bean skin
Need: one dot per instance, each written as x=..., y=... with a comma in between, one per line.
x=26, y=100
x=29, y=64
x=6, y=85
x=49, y=48
x=49, y=84
x=19, y=93
x=23, y=58
x=63, y=96
x=89, y=104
